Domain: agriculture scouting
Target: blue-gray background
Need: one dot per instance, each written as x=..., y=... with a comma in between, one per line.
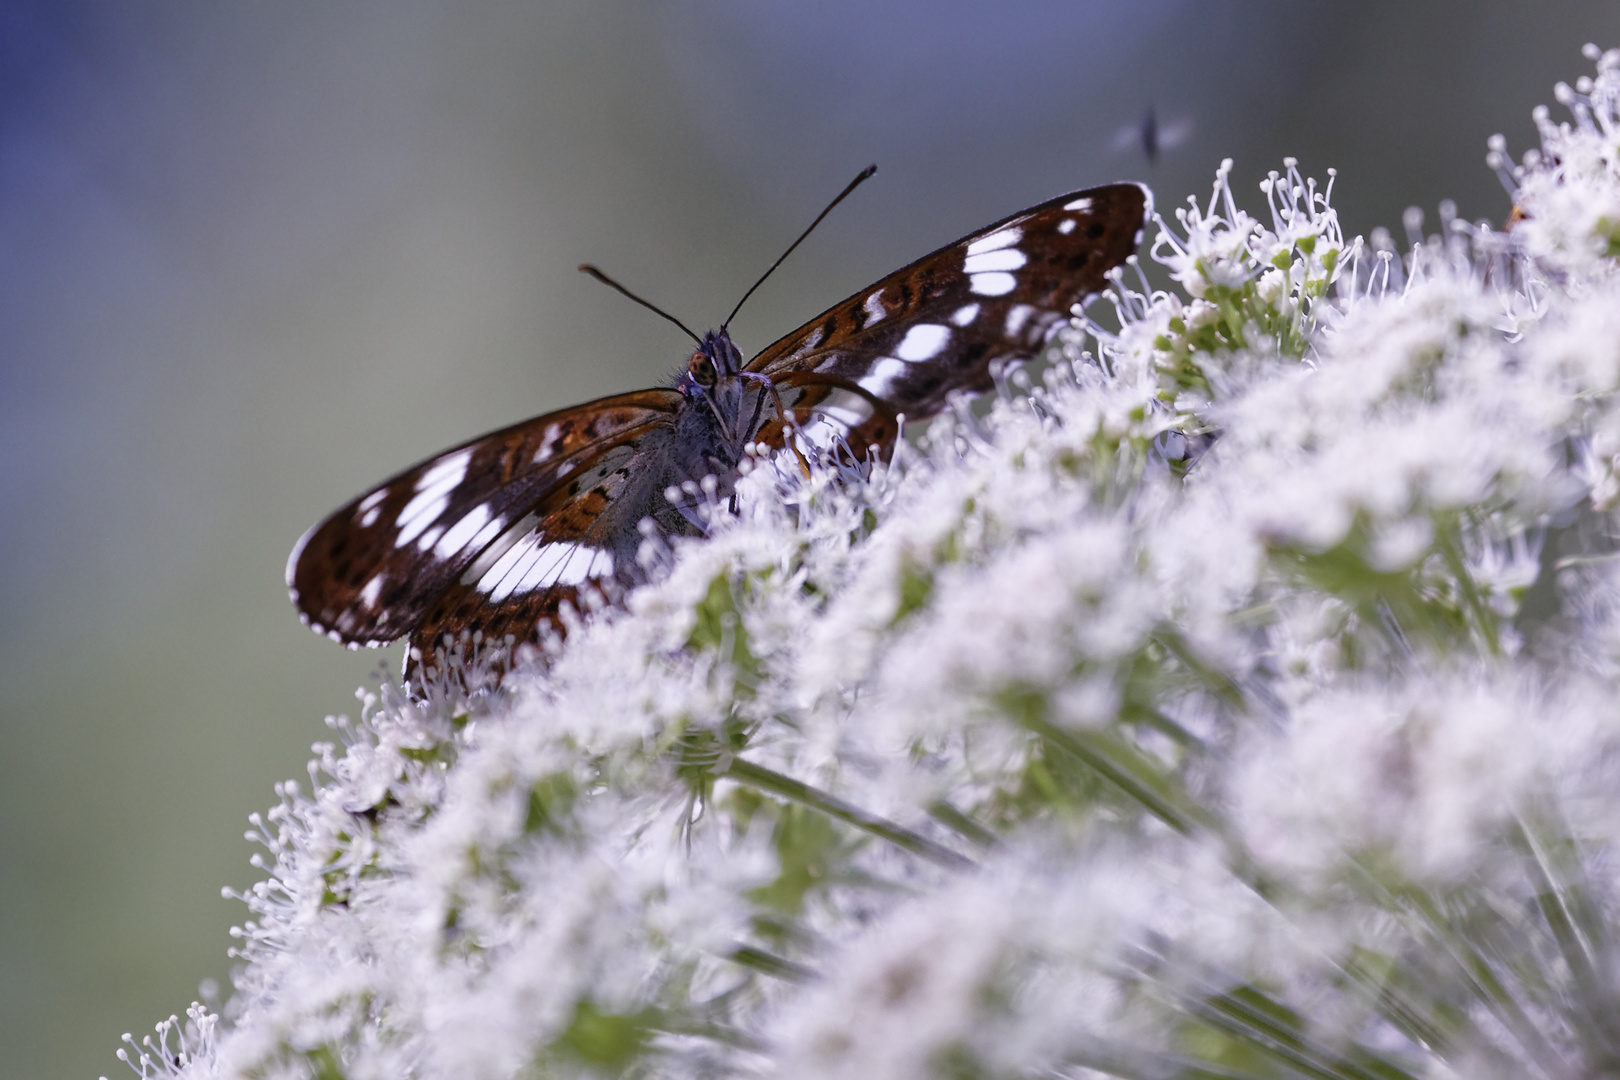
x=254, y=257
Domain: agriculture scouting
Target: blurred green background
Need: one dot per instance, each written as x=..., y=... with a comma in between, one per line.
x=258, y=256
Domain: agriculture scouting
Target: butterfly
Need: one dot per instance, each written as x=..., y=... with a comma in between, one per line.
x=490, y=540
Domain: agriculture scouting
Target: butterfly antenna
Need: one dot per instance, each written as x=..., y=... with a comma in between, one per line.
x=853, y=184
x=587, y=268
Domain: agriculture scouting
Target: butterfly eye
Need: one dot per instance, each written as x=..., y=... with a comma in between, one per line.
x=701, y=368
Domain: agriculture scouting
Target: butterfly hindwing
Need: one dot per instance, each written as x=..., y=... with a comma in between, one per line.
x=939, y=324
x=369, y=572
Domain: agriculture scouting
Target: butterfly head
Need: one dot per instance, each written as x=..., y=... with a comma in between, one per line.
x=715, y=361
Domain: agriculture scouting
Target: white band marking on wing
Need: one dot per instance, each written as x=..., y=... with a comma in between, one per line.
x=548, y=443
x=448, y=471
x=1005, y=259
x=1017, y=315
x=458, y=535
x=873, y=306
x=996, y=284
x=999, y=239
x=495, y=552
x=883, y=375
x=923, y=342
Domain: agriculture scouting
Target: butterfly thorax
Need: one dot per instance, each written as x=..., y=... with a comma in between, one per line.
x=722, y=410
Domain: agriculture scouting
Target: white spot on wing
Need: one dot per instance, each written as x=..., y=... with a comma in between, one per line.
x=965, y=314
x=432, y=495
x=923, y=342
x=457, y=536
x=498, y=550
x=1066, y=226
x=548, y=443
x=873, y=306
x=498, y=581
x=504, y=576
x=811, y=340
x=429, y=538
x=566, y=564
x=487, y=533
x=999, y=239
x=447, y=472
x=418, y=514
x=373, y=499
x=369, y=519
x=1080, y=205
x=845, y=408
x=373, y=589
x=997, y=284
x=883, y=375
x=1017, y=316
x=1005, y=259
x=543, y=565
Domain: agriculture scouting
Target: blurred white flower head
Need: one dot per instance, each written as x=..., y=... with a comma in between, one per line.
x=1237, y=699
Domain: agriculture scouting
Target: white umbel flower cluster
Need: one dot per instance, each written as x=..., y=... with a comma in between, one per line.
x=1239, y=701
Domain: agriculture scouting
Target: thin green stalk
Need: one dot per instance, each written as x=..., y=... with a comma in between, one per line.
x=764, y=779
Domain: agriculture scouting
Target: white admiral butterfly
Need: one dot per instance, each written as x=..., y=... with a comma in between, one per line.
x=491, y=538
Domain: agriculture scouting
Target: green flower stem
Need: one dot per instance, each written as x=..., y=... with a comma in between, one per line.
x=757, y=776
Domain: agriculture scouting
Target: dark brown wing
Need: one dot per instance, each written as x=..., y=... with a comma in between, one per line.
x=939, y=324
x=579, y=537
x=369, y=573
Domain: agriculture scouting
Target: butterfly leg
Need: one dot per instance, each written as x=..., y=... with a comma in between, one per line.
x=884, y=424
x=786, y=417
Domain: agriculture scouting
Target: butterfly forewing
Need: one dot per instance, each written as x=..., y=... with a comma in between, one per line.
x=368, y=574
x=941, y=323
